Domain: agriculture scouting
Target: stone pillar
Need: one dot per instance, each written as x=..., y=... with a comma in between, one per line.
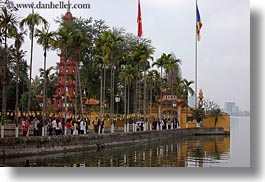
x=99, y=129
x=112, y=128
x=125, y=127
x=16, y=132
x=179, y=116
x=43, y=130
x=65, y=130
x=28, y=131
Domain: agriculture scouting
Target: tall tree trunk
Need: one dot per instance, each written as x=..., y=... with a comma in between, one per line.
x=65, y=95
x=81, y=96
x=125, y=115
x=44, y=87
x=128, y=107
x=215, y=122
x=44, y=91
x=104, y=89
x=161, y=97
x=101, y=96
x=135, y=101
x=112, y=98
x=4, y=83
x=145, y=122
x=30, y=69
x=16, y=105
x=151, y=95
x=128, y=103
x=166, y=96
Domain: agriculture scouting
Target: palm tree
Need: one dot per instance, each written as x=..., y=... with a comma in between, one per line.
x=160, y=63
x=32, y=20
x=79, y=41
x=45, y=39
x=18, y=54
x=186, y=86
x=152, y=78
x=99, y=64
x=7, y=25
x=186, y=90
x=110, y=47
x=143, y=54
x=129, y=75
x=172, y=69
x=45, y=79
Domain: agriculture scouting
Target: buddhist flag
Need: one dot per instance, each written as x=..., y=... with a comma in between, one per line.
x=198, y=23
x=139, y=20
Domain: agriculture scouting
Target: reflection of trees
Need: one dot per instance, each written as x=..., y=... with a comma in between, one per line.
x=170, y=152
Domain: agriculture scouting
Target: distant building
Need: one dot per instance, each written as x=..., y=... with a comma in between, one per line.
x=231, y=108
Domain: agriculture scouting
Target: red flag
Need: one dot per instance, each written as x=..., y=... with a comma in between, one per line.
x=139, y=20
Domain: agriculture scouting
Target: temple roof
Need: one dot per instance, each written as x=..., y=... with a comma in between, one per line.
x=68, y=16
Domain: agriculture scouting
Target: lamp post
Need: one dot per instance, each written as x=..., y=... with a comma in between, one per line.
x=174, y=105
x=117, y=100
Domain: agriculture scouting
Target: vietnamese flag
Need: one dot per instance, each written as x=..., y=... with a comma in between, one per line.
x=139, y=20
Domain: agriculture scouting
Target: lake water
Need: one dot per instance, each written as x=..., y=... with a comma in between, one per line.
x=196, y=151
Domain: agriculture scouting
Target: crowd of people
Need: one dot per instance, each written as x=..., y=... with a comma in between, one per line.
x=57, y=126
x=164, y=122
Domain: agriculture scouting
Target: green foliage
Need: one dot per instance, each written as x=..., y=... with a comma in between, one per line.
x=198, y=114
x=95, y=46
x=24, y=102
x=213, y=110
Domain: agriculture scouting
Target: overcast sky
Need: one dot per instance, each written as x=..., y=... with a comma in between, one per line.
x=223, y=52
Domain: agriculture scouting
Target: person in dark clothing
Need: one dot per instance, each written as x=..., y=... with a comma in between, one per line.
x=154, y=124
x=27, y=164
x=39, y=126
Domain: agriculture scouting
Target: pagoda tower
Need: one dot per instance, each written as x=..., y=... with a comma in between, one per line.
x=71, y=81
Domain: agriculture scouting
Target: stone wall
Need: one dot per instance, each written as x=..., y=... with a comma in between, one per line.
x=25, y=146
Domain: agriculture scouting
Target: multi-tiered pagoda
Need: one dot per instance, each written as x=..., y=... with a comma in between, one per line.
x=70, y=81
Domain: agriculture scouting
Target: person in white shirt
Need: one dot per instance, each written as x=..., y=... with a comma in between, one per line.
x=36, y=122
x=82, y=126
x=54, y=126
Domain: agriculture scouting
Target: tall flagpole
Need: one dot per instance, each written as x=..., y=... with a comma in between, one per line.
x=196, y=56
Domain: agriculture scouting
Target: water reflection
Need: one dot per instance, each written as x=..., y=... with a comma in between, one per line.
x=197, y=151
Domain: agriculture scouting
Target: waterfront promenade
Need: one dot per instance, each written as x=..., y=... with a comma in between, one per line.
x=36, y=145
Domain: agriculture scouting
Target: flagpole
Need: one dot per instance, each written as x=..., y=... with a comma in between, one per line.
x=196, y=56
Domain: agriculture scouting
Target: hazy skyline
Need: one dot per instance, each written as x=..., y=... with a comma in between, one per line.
x=223, y=52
